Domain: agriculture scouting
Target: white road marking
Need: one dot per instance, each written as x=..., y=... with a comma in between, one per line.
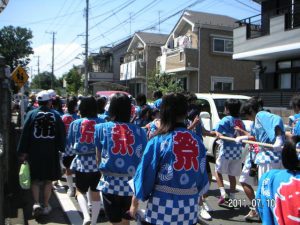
x=68, y=207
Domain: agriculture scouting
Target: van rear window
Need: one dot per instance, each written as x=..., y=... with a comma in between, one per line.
x=220, y=106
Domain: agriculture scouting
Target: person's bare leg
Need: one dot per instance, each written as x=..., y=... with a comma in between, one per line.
x=47, y=192
x=232, y=182
x=96, y=204
x=35, y=189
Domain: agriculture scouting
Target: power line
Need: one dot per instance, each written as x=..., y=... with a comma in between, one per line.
x=247, y=5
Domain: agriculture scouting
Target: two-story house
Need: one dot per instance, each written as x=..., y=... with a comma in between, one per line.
x=199, y=53
x=272, y=40
x=140, y=60
x=104, y=71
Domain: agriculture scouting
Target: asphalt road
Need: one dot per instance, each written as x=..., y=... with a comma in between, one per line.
x=220, y=215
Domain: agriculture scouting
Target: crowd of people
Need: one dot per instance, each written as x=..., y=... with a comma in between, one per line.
x=121, y=153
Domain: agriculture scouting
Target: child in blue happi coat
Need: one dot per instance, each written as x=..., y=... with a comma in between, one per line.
x=172, y=174
x=278, y=193
x=81, y=142
x=120, y=145
x=229, y=159
x=69, y=155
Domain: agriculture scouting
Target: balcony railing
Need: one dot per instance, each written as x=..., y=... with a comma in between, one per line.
x=259, y=25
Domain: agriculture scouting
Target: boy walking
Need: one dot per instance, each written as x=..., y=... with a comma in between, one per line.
x=229, y=159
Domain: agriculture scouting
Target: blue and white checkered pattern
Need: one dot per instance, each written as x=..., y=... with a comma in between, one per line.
x=69, y=151
x=231, y=152
x=267, y=156
x=172, y=212
x=85, y=163
x=115, y=185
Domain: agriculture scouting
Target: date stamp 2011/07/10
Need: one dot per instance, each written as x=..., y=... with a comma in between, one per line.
x=239, y=203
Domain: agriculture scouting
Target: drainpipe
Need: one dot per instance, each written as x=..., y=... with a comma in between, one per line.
x=198, y=75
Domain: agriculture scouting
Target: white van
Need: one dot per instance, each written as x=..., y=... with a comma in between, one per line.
x=212, y=111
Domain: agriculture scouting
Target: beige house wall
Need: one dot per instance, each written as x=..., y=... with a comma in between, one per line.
x=222, y=65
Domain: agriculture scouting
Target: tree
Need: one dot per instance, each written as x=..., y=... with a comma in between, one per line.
x=43, y=81
x=164, y=82
x=74, y=82
x=15, y=46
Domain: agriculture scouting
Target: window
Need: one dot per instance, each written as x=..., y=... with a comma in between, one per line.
x=221, y=83
x=224, y=45
x=288, y=73
x=285, y=80
x=180, y=56
x=183, y=83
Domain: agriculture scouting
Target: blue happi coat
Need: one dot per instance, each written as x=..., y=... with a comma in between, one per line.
x=278, y=197
x=229, y=149
x=81, y=142
x=67, y=119
x=264, y=131
x=171, y=176
x=121, y=146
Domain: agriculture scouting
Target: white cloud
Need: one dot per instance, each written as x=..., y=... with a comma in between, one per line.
x=65, y=56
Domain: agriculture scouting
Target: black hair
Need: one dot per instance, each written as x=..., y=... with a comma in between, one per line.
x=57, y=104
x=290, y=159
x=295, y=102
x=88, y=107
x=233, y=106
x=157, y=94
x=120, y=108
x=250, y=106
x=101, y=102
x=191, y=97
x=173, y=107
x=72, y=104
x=141, y=99
x=192, y=113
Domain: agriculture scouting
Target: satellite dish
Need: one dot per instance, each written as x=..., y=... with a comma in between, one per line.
x=3, y=4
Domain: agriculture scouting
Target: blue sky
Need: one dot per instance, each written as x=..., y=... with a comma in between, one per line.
x=110, y=21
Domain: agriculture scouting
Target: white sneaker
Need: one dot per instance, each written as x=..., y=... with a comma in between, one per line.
x=47, y=210
x=86, y=222
x=37, y=210
x=206, y=206
x=71, y=192
x=204, y=214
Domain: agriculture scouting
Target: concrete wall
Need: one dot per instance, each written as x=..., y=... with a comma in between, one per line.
x=278, y=36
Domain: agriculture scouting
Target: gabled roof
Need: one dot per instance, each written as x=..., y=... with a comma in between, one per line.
x=152, y=38
x=196, y=19
x=149, y=39
x=203, y=18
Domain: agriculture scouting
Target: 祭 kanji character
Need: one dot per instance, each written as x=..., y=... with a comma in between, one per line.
x=44, y=125
x=287, y=203
x=123, y=140
x=186, y=151
x=87, y=131
x=67, y=121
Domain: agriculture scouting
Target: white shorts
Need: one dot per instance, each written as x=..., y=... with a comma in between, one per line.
x=245, y=178
x=263, y=168
x=232, y=167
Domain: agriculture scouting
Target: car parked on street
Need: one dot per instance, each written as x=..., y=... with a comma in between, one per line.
x=212, y=111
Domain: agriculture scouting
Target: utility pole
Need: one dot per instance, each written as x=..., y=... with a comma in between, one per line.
x=52, y=66
x=38, y=64
x=159, y=11
x=86, y=48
